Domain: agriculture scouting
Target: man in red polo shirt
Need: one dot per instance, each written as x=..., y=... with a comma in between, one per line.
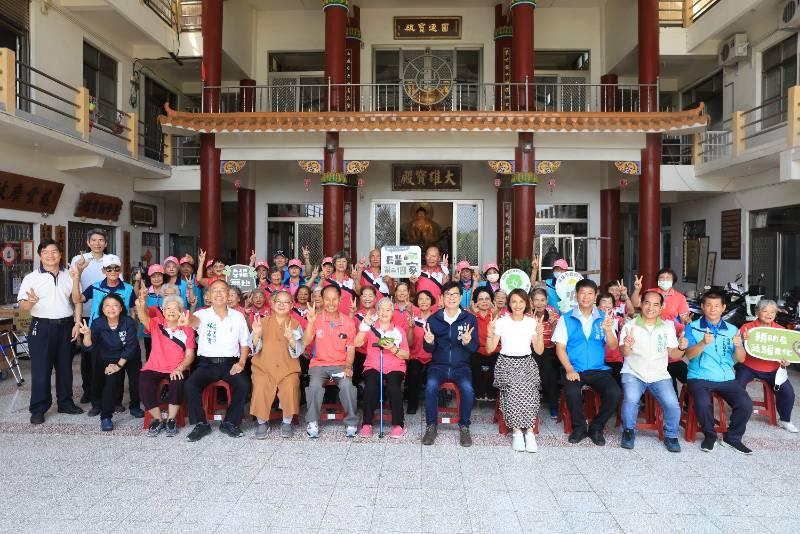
x=332, y=333
x=433, y=276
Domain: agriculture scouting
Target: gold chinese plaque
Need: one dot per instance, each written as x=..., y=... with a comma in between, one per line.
x=427, y=28
x=410, y=177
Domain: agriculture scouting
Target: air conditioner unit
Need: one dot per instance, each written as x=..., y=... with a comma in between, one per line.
x=790, y=15
x=733, y=49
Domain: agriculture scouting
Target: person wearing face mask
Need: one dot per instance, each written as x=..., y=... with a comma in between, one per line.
x=559, y=266
x=492, y=273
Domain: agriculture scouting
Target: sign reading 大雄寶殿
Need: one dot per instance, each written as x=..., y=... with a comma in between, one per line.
x=424, y=177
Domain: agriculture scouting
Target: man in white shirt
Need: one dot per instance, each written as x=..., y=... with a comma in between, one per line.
x=47, y=294
x=223, y=346
x=646, y=343
x=90, y=266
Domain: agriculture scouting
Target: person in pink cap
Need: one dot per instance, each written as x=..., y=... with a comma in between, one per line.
x=187, y=267
x=295, y=280
x=172, y=275
x=559, y=266
x=262, y=273
x=215, y=270
x=492, y=273
x=325, y=272
x=468, y=279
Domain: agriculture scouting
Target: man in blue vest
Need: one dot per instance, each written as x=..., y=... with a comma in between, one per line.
x=714, y=348
x=581, y=337
x=112, y=283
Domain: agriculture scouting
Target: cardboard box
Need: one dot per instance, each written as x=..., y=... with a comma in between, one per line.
x=21, y=319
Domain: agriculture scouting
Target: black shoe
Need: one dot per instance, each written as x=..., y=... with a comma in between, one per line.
x=71, y=410
x=577, y=436
x=94, y=411
x=411, y=410
x=597, y=437
x=37, y=418
x=230, y=429
x=628, y=439
x=199, y=431
x=464, y=437
x=119, y=408
x=138, y=413
x=156, y=426
x=430, y=435
x=672, y=444
x=84, y=399
x=708, y=443
x=738, y=446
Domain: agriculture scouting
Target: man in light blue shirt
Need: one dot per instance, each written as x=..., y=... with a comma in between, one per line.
x=714, y=347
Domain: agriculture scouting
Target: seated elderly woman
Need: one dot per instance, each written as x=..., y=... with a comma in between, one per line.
x=753, y=368
x=112, y=341
x=172, y=353
x=278, y=342
x=381, y=333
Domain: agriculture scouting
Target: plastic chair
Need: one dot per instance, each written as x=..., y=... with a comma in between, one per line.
x=180, y=417
x=591, y=407
x=766, y=406
x=498, y=418
x=211, y=400
x=331, y=411
x=450, y=414
x=689, y=419
x=652, y=415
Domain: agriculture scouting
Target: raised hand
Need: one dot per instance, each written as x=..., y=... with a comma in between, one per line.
x=428, y=334
x=737, y=341
x=637, y=282
x=33, y=298
x=466, y=337
x=141, y=300
x=288, y=333
x=535, y=264
x=253, y=257
x=311, y=315
x=81, y=264
x=708, y=338
x=353, y=307
x=370, y=319
x=444, y=260
x=413, y=279
x=683, y=343
x=629, y=340
x=84, y=328
x=476, y=276
x=608, y=322
x=256, y=328
x=539, y=326
x=490, y=328
x=201, y=258
x=183, y=320
x=355, y=272
x=622, y=289
x=305, y=252
x=75, y=274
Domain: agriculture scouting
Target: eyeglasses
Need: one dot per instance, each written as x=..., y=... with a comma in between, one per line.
x=112, y=269
x=452, y=294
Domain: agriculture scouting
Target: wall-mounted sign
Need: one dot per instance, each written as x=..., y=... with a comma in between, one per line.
x=427, y=27
x=96, y=206
x=18, y=192
x=731, y=230
x=144, y=214
x=423, y=177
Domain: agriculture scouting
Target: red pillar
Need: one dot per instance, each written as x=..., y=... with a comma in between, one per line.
x=335, y=37
x=351, y=197
x=609, y=232
x=333, y=199
x=352, y=63
x=504, y=195
x=608, y=92
x=247, y=224
x=247, y=96
x=502, y=60
x=210, y=194
x=650, y=182
x=524, y=207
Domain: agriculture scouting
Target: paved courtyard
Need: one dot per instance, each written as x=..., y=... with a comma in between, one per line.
x=67, y=476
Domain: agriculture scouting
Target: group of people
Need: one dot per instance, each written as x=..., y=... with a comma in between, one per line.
x=377, y=338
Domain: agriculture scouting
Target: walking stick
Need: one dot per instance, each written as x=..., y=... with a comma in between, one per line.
x=380, y=390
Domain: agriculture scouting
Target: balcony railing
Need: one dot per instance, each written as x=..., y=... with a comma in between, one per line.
x=715, y=144
x=761, y=120
x=683, y=13
x=677, y=149
x=43, y=95
x=165, y=9
x=191, y=15
x=398, y=96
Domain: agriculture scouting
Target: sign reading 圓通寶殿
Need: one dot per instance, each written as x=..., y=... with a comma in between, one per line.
x=241, y=276
x=425, y=177
x=401, y=261
x=427, y=27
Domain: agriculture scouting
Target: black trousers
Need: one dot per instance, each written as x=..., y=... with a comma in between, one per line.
x=108, y=387
x=50, y=348
x=483, y=386
x=616, y=371
x=132, y=369
x=393, y=391
x=207, y=372
x=678, y=371
x=734, y=394
x=549, y=373
x=148, y=347
x=87, y=370
x=414, y=374
x=606, y=387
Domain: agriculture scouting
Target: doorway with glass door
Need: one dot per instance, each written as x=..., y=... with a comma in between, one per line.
x=290, y=227
x=454, y=226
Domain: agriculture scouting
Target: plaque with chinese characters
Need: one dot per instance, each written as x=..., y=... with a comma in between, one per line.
x=411, y=177
x=241, y=276
x=401, y=261
x=96, y=206
x=18, y=192
x=427, y=27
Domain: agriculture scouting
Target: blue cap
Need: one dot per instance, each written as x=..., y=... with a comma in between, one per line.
x=279, y=252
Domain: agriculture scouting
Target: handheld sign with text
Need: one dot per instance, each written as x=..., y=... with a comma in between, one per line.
x=241, y=276
x=773, y=344
x=401, y=261
x=513, y=279
x=565, y=289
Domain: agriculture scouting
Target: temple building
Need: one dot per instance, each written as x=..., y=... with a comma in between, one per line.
x=622, y=135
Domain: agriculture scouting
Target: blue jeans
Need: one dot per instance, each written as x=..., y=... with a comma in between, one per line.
x=462, y=378
x=664, y=393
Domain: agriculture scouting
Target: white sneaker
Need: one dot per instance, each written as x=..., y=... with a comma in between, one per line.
x=350, y=431
x=312, y=429
x=788, y=426
x=530, y=442
x=518, y=442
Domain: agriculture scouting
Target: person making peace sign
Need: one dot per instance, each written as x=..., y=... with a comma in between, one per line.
x=451, y=337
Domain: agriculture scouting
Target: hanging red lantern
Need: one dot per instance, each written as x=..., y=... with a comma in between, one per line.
x=307, y=184
x=360, y=182
x=498, y=182
x=623, y=183
x=551, y=184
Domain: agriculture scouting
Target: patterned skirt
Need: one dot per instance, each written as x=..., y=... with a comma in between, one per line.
x=517, y=381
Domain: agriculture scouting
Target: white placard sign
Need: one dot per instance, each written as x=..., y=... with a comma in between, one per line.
x=401, y=261
x=565, y=289
x=515, y=279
